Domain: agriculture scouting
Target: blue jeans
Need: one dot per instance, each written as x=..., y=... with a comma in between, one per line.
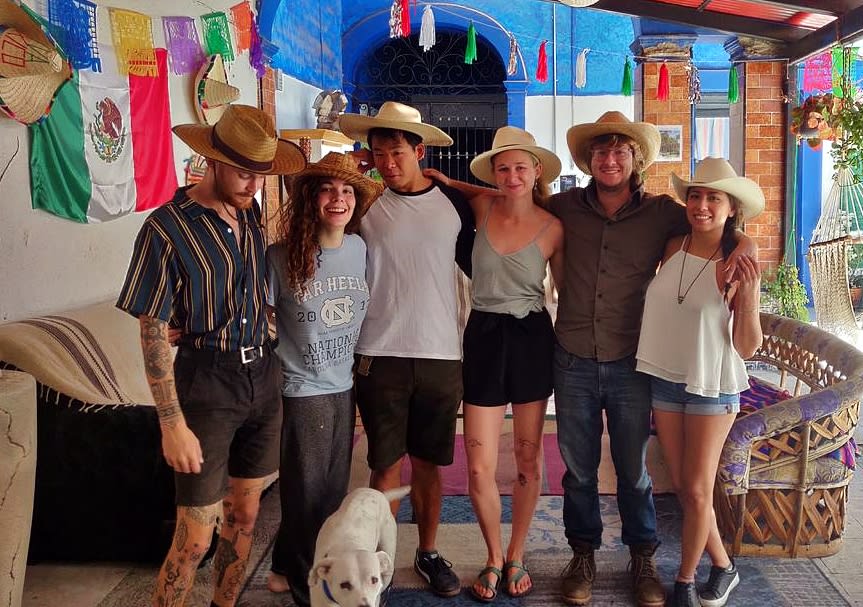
x=584, y=387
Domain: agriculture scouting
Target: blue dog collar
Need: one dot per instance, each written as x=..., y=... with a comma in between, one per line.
x=327, y=592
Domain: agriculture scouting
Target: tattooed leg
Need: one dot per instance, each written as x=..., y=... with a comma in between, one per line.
x=528, y=421
x=192, y=537
x=235, y=539
x=482, y=428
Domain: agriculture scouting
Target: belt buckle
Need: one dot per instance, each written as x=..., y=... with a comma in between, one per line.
x=253, y=352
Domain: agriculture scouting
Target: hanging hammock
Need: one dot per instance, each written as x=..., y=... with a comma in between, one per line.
x=840, y=225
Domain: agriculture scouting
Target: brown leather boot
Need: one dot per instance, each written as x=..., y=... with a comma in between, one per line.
x=645, y=580
x=578, y=575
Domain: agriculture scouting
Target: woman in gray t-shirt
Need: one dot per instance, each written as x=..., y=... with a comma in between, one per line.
x=318, y=296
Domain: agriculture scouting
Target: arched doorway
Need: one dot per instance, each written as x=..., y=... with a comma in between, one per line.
x=468, y=102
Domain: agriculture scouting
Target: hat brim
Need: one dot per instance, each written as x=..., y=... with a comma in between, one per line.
x=289, y=157
x=15, y=17
x=357, y=127
x=580, y=136
x=747, y=192
x=366, y=190
x=28, y=98
x=482, y=169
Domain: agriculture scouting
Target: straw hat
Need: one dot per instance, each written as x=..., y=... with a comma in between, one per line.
x=580, y=137
x=31, y=66
x=393, y=115
x=245, y=138
x=717, y=174
x=341, y=166
x=512, y=138
x=212, y=91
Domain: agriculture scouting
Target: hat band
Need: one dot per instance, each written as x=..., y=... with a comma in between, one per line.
x=256, y=166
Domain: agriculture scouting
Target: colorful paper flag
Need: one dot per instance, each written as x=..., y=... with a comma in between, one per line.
x=241, y=14
x=184, y=47
x=217, y=38
x=73, y=25
x=133, y=39
x=105, y=150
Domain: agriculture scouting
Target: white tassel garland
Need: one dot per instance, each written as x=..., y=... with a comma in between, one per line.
x=581, y=69
x=427, y=32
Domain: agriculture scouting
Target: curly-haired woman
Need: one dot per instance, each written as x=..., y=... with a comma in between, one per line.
x=318, y=294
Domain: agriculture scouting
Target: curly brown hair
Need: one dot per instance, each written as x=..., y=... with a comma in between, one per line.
x=299, y=224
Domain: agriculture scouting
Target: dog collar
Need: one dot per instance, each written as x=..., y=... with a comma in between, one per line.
x=327, y=592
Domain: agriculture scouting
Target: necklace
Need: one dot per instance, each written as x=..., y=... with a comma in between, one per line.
x=681, y=297
x=231, y=215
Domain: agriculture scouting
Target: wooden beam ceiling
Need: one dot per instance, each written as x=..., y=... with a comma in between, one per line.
x=847, y=28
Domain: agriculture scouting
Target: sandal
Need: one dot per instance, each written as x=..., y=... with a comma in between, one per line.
x=513, y=579
x=484, y=579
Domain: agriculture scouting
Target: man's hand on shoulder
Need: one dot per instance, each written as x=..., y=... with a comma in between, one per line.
x=437, y=176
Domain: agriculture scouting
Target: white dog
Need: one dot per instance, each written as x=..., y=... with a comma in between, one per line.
x=355, y=551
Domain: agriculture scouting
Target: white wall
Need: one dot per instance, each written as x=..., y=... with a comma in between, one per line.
x=48, y=264
x=294, y=104
x=548, y=118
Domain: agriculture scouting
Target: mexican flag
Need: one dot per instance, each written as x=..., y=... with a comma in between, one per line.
x=105, y=149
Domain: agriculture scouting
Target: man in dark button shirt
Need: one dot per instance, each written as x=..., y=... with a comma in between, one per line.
x=198, y=266
x=614, y=235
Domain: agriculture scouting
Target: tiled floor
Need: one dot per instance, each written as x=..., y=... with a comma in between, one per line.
x=62, y=585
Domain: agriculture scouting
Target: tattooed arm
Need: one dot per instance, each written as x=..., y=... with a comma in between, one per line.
x=179, y=444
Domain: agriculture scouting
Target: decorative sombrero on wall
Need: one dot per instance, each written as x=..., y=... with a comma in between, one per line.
x=212, y=91
x=31, y=66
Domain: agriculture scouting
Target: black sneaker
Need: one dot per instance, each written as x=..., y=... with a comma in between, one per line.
x=437, y=571
x=685, y=595
x=719, y=585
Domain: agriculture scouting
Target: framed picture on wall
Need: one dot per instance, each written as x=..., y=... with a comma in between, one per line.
x=671, y=145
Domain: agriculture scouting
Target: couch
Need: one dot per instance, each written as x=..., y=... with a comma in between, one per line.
x=782, y=483
x=103, y=490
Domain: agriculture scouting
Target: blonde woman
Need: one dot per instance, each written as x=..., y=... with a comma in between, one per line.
x=509, y=342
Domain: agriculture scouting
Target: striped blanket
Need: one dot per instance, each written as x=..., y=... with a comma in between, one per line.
x=91, y=355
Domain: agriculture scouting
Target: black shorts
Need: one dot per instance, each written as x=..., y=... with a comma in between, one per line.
x=408, y=405
x=235, y=410
x=507, y=359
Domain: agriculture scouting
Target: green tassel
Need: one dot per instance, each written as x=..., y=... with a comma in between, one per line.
x=733, y=86
x=626, y=86
x=470, y=49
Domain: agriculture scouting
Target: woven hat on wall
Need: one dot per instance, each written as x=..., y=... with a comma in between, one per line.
x=212, y=91
x=31, y=66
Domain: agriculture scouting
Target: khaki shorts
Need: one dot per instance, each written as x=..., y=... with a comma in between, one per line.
x=408, y=405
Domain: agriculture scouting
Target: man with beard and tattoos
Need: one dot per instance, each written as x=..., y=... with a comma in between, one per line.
x=198, y=268
x=614, y=237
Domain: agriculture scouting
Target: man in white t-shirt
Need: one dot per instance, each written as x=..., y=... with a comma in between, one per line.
x=408, y=376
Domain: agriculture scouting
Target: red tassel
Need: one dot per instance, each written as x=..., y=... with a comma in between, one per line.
x=664, y=87
x=542, y=64
x=406, y=18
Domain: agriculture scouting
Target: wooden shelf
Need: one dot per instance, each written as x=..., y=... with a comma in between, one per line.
x=327, y=136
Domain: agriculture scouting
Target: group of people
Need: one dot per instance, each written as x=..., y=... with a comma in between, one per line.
x=361, y=287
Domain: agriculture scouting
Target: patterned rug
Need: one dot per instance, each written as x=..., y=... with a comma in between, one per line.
x=765, y=582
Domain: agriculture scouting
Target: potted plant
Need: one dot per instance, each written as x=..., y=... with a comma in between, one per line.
x=784, y=294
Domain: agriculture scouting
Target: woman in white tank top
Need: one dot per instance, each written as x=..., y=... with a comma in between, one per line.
x=508, y=342
x=696, y=331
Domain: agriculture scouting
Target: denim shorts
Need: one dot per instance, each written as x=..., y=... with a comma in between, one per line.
x=672, y=397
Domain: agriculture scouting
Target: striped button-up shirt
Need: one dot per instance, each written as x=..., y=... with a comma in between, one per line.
x=188, y=270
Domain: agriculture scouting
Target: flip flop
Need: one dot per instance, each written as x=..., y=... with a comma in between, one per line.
x=514, y=579
x=484, y=580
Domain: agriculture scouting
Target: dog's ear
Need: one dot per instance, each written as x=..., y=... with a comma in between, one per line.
x=386, y=563
x=320, y=571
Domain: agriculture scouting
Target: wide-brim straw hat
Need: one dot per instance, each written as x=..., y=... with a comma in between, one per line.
x=513, y=138
x=212, y=91
x=244, y=137
x=718, y=174
x=580, y=137
x=340, y=166
x=31, y=67
x=393, y=115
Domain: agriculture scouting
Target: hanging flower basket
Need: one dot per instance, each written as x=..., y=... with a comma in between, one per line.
x=812, y=120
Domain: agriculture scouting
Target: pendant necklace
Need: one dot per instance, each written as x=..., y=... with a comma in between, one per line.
x=681, y=297
x=232, y=216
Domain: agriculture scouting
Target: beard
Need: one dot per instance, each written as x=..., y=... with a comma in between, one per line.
x=237, y=200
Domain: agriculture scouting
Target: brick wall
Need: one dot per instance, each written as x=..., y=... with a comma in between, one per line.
x=764, y=156
x=267, y=97
x=674, y=111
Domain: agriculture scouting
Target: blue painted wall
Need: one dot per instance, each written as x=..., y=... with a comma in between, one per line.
x=366, y=26
x=307, y=36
